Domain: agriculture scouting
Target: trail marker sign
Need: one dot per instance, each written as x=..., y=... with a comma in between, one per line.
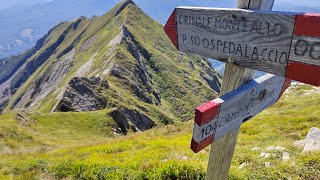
x=282, y=43
x=227, y=113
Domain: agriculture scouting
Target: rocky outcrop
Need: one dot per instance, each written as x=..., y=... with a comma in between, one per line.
x=138, y=78
x=311, y=142
x=3, y=104
x=48, y=82
x=88, y=43
x=124, y=47
x=83, y=94
x=124, y=5
x=127, y=119
x=37, y=61
x=212, y=80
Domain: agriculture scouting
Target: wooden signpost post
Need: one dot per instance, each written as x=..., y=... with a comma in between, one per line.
x=227, y=113
x=282, y=43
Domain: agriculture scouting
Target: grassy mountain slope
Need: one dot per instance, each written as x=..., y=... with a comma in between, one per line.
x=121, y=63
x=91, y=80
x=164, y=152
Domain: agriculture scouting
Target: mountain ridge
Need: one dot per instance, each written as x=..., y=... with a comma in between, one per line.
x=121, y=60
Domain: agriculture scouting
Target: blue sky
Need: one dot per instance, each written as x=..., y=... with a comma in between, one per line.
x=314, y=4
x=4, y=4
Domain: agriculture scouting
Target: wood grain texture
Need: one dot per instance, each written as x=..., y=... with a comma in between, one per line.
x=245, y=4
x=306, y=49
x=238, y=106
x=247, y=101
x=255, y=39
x=261, y=4
x=221, y=151
x=252, y=39
x=248, y=4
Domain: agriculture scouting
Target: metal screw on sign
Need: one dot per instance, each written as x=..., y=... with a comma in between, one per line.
x=231, y=60
x=262, y=94
x=253, y=91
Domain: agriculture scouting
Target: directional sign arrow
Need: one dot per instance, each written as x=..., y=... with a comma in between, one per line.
x=227, y=113
x=281, y=43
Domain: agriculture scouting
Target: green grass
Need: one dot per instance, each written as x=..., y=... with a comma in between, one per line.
x=82, y=145
x=161, y=153
x=41, y=132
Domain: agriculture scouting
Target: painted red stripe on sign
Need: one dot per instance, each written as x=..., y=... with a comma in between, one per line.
x=285, y=86
x=195, y=147
x=307, y=24
x=206, y=112
x=171, y=29
x=303, y=72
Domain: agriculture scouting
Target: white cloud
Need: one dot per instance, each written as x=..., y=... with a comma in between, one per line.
x=19, y=42
x=2, y=48
x=27, y=33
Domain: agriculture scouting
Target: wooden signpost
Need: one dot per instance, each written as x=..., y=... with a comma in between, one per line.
x=227, y=113
x=281, y=43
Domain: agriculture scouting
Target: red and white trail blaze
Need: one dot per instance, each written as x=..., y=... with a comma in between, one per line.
x=227, y=113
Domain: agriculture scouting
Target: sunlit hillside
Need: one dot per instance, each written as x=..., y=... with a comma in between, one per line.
x=163, y=152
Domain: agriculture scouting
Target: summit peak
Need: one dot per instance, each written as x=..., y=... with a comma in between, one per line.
x=123, y=4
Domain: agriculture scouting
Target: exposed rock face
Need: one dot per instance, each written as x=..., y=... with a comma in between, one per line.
x=212, y=81
x=82, y=94
x=140, y=80
x=311, y=142
x=47, y=83
x=127, y=118
x=277, y=148
x=37, y=61
x=267, y=164
x=89, y=42
x=124, y=5
x=242, y=165
x=124, y=49
x=256, y=149
x=3, y=104
x=285, y=156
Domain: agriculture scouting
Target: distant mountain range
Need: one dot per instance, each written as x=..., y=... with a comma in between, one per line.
x=26, y=24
